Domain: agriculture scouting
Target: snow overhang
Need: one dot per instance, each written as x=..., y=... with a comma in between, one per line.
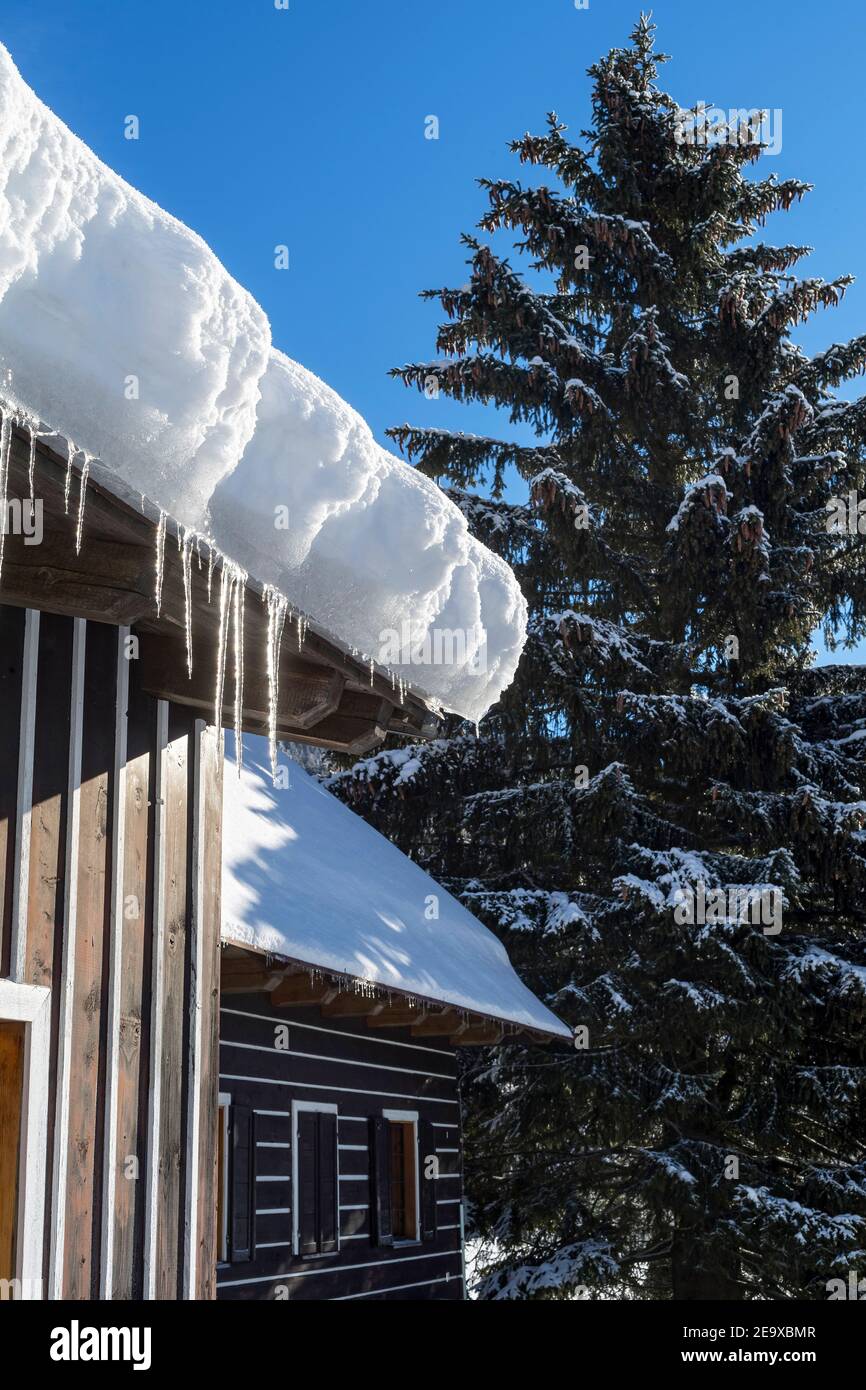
x=121, y=330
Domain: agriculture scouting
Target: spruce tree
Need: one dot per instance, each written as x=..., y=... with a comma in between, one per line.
x=669, y=762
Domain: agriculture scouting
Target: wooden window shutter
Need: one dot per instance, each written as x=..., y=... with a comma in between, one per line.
x=380, y=1182
x=307, y=1140
x=329, y=1216
x=12, y=1052
x=429, y=1187
x=243, y=1186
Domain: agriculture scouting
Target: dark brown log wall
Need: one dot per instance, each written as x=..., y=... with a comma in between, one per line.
x=339, y=1060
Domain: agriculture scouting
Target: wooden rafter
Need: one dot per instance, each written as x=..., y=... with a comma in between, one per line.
x=300, y=989
x=350, y=1004
x=439, y=1023
x=338, y=996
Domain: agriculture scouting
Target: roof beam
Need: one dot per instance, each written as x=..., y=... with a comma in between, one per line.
x=301, y=989
x=308, y=691
x=442, y=1022
x=398, y=1015
x=484, y=1034
x=112, y=583
x=249, y=982
x=360, y=723
x=351, y=1004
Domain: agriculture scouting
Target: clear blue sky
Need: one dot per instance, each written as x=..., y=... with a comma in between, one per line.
x=305, y=126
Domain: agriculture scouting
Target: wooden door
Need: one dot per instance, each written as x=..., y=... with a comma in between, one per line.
x=11, y=1094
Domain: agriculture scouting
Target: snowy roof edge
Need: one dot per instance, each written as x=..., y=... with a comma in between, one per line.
x=111, y=482
x=228, y=938
x=101, y=476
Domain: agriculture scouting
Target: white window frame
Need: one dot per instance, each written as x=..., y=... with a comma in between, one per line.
x=224, y=1102
x=326, y=1109
x=31, y=1005
x=407, y=1117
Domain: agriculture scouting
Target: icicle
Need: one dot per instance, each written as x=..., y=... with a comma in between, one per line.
x=31, y=467
x=198, y=550
x=82, y=496
x=210, y=560
x=226, y=585
x=240, y=595
x=71, y=451
x=277, y=608
x=160, y=559
x=232, y=593
x=5, y=448
x=372, y=669
x=186, y=568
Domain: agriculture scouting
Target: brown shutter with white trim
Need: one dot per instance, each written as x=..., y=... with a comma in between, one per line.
x=429, y=1187
x=380, y=1182
x=307, y=1140
x=243, y=1184
x=329, y=1216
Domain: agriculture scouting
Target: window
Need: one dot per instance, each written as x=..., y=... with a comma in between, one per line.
x=403, y=1186
x=403, y=1176
x=11, y=1097
x=25, y=1024
x=315, y=1179
x=223, y=1177
x=236, y=1182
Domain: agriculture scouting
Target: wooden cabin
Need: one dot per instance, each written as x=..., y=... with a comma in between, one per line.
x=133, y=1163
x=349, y=980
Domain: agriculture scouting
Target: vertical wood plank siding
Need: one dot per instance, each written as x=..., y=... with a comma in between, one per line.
x=87, y=1037
x=339, y=1061
x=24, y=806
x=204, y=1071
x=115, y=954
x=135, y=1001
x=79, y=907
x=11, y=664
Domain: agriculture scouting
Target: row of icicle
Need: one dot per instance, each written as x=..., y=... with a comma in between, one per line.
x=232, y=584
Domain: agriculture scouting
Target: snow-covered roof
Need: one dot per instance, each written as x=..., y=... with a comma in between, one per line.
x=306, y=879
x=121, y=330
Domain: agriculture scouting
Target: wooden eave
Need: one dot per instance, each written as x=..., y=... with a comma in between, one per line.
x=327, y=696
x=294, y=983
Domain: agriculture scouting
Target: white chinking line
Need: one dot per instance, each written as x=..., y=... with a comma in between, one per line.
x=115, y=961
x=67, y=975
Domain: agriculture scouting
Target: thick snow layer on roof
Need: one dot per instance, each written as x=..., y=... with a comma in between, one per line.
x=99, y=286
x=373, y=549
x=121, y=330
x=307, y=879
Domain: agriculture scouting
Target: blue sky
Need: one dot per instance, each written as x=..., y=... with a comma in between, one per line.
x=262, y=126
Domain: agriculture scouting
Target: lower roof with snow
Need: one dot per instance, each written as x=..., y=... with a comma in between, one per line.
x=307, y=880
